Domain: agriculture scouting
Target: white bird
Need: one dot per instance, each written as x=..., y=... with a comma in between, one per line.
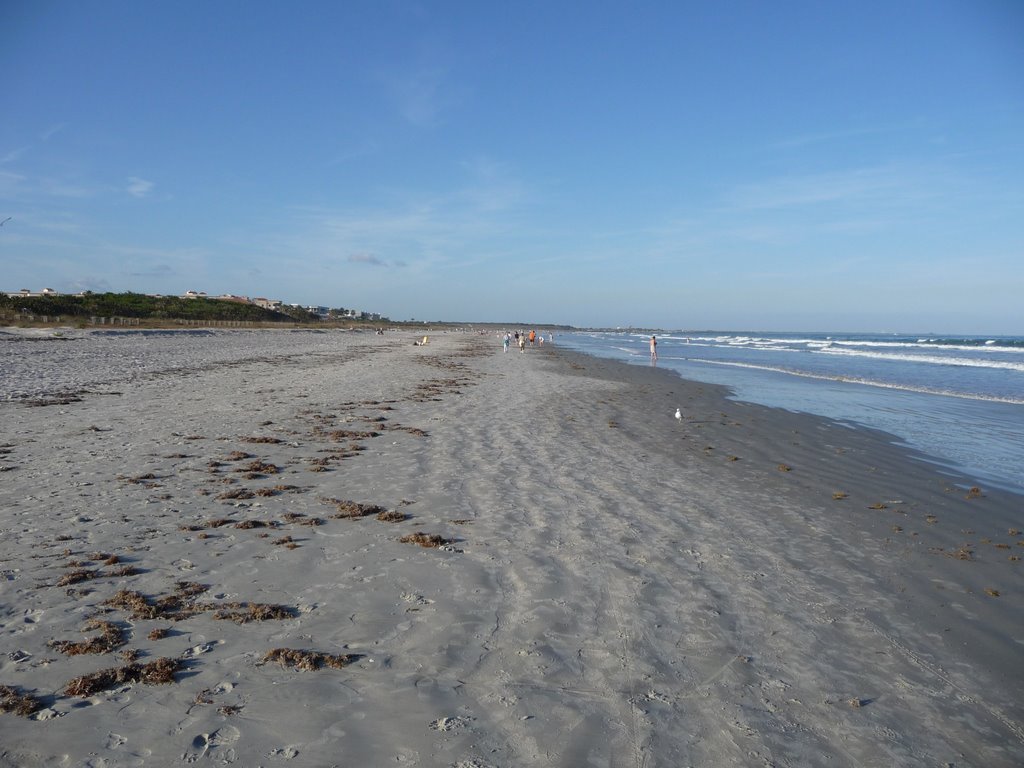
x=679, y=415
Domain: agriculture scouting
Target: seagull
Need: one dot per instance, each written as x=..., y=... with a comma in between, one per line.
x=679, y=415
x=6, y=220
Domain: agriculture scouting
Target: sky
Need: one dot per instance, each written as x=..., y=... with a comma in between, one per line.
x=848, y=165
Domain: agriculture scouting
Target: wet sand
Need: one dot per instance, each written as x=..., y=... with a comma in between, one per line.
x=744, y=586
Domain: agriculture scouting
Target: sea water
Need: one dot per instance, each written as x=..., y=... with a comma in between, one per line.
x=958, y=399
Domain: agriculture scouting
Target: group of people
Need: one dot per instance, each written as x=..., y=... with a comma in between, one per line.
x=521, y=338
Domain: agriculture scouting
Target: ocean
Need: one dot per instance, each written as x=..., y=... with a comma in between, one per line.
x=958, y=399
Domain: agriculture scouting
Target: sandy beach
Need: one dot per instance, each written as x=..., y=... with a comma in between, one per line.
x=203, y=562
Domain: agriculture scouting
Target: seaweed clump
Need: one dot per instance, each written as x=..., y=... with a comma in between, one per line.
x=309, y=661
x=18, y=702
x=353, y=509
x=243, y=613
x=110, y=637
x=430, y=540
x=176, y=606
x=156, y=672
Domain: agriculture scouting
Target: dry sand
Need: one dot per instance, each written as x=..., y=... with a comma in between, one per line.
x=744, y=587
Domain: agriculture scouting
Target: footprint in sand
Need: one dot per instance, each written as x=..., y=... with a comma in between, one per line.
x=115, y=740
x=198, y=650
x=216, y=745
x=450, y=723
x=415, y=599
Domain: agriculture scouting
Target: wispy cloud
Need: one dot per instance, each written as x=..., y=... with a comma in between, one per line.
x=815, y=189
x=492, y=186
x=9, y=183
x=157, y=270
x=831, y=137
x=52, y=131
x=139, y=187
x=91, y=283
x=364, y=148
x=367, y=258
x=61, y=188
x=443, y=229
x=419, y=95
x=12, y=155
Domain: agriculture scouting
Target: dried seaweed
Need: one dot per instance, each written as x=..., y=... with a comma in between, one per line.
x=175, y=607
x=248, y=524
x=237, y=493
x=243, y=613
x=338, y=435
x=78, y=576
x=154, y=673
x=431, y=540
x=392, y=516
x=15, y=700
x=259, y=467
x=309, y=661
x=110, y=637
x=353, y=509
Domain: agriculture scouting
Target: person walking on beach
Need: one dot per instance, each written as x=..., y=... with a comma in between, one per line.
x=654, y=349
x=522, y=342
x=505, y=340
x=533, y=337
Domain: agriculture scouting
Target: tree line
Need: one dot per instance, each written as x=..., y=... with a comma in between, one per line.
x=141, y=306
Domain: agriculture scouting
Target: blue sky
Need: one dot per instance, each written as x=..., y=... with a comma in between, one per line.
x=823, y=165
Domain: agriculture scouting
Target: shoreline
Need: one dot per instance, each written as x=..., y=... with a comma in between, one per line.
x=974, y=430
x=617, y=586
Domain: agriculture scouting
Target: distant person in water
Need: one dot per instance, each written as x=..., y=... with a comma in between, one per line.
x=654, y=348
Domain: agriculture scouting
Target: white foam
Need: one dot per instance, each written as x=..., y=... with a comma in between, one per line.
x=863, y=381
x=963, y=362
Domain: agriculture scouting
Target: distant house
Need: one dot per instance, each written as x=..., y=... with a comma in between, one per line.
x=231, y=297
x=194, y=295
x=25, y=293
x=274, y=304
